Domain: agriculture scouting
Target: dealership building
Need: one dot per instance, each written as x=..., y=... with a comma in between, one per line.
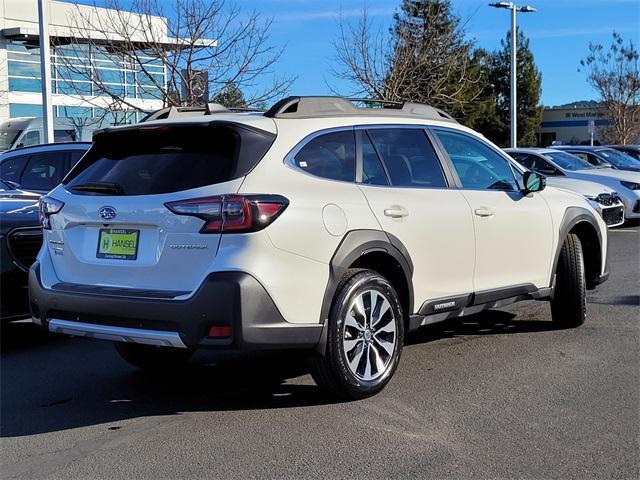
x=72, y=95
x=571, y=124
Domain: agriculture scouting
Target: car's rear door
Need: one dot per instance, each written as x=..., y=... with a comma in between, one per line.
x=408, y=191
x=513, y=231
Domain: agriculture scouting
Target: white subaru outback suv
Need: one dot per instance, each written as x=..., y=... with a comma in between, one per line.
x=318, y=225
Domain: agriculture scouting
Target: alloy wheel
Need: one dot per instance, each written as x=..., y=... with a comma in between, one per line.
x=369, y=339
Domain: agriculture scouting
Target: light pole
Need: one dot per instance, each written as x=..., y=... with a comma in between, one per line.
x=45, y=70
x=513, y=102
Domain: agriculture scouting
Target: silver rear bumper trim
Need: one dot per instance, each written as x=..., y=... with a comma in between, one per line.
x=117, y=334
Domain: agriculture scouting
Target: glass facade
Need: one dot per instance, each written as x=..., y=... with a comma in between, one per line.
x=24, y=110
x=77, y=69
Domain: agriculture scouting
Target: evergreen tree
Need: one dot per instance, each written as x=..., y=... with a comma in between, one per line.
x=433, y=58
x=494, y=123
x=230, y=96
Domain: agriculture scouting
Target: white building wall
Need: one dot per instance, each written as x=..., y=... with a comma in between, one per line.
x=570, y=125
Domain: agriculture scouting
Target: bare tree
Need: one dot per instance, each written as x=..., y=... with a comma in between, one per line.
x=423, y=58
x=180, y=55
x=615, y=74
x=364, y=55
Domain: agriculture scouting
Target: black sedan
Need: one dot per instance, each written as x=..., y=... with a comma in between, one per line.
x=20, y=241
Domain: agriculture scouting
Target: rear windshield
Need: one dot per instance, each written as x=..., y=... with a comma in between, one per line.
x=163, y=159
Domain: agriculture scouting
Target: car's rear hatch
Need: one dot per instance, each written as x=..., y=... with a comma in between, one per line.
x=115, y=229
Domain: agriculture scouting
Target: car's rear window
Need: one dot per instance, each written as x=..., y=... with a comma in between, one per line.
x=163, y=159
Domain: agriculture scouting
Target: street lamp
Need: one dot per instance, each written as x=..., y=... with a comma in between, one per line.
x=45, y=70
x=513, y=108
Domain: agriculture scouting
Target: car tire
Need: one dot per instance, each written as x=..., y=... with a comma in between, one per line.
x=364, y=344
x=152, y=358
x=569, y=303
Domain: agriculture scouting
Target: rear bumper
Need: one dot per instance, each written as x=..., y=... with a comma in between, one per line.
x=234, y=299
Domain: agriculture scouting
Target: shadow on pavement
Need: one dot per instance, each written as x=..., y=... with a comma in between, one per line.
x=50, y=383
x=24, y=335
x=617, y=300
x=489, y=322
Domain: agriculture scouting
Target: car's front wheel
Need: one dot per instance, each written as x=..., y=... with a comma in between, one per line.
x=569, y=303
x=150, y=357
x=364, y=338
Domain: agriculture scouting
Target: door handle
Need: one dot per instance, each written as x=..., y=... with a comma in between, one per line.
x=484, y=212
x=396, y=212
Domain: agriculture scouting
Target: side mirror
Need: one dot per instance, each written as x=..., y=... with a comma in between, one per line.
x=534, y=182
x=12, y=184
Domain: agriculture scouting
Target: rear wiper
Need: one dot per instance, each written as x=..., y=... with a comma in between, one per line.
x=105, y=188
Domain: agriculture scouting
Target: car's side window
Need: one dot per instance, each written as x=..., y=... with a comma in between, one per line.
x=75, y=156
x=44, y=171
x=524, y=159
x=332, y=156
x=478, y=166
x=542, y=166
x=32, y=137
x=593, y=160
x=586, y=157
x=372, y=170
x=408, y=156
x=11, y=169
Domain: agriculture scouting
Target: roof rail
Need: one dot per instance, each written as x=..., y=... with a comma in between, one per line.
x=308, y=107
x=174, y=112
x=208, y=109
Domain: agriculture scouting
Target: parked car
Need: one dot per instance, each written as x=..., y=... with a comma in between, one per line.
x=318, y=226
x=603, y=157
x=27, y=173
x=20, y=241
x=626, y=184
x=603, y=199
x=631, y=150
x=40, y=168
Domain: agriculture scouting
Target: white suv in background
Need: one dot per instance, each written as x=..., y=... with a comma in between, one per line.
x=603, y=199
x=318, y=225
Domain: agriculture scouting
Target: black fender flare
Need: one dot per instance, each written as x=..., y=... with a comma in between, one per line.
x=572, y=217
x=355, y=244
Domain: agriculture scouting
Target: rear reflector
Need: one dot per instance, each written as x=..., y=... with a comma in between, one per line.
x=220, y=332
x=232, y=213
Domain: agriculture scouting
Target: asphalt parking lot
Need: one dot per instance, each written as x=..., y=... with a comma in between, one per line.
x=500, y=394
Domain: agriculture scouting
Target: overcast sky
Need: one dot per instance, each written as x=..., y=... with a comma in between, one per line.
x=559, y=32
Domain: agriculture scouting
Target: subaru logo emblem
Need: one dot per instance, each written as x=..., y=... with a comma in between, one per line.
x=108, y=213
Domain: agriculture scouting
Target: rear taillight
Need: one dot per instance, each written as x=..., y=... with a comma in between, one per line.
x=48, y=206
x=232, y=213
